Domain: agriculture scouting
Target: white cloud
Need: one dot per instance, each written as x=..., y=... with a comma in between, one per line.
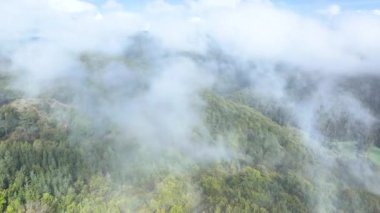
x=332, y=10
x=376, y=12
x=113, y=5
x=220, y=3
x=251, y=29
x=72, y=6
x=44, y=38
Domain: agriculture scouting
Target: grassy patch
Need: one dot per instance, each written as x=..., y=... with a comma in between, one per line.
x=374, y=155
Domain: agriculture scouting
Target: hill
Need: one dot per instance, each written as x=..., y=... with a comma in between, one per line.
x=54, y=159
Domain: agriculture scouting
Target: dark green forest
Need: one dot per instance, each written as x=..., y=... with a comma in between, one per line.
x=189, y=106
x=54, y=158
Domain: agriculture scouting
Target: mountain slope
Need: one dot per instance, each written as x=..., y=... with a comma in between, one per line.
x=54, y=159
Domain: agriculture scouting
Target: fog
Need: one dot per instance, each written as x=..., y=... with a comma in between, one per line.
x=145, y=69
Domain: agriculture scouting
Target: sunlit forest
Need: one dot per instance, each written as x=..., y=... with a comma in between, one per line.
x=56, y=158
x=99, y=116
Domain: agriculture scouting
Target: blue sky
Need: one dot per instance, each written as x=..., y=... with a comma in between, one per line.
x=345, y=4
x=132, y=3
x=295, y=4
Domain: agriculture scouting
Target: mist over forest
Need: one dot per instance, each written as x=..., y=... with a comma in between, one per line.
x=198, y=106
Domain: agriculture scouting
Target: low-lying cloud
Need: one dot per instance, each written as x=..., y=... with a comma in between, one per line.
x=151, y=64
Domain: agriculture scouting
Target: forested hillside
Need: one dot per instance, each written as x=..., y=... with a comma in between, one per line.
x=54, y=160
x=225, y=106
